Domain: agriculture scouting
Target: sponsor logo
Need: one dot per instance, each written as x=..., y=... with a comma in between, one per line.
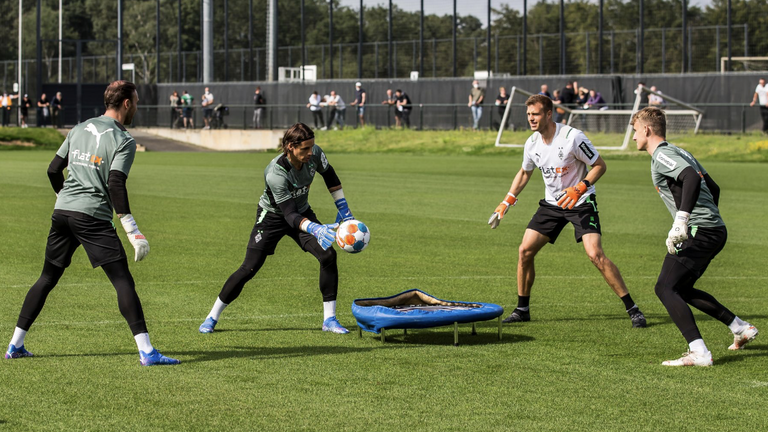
x=86, y=158
x=666, y=161
x=553, y=172
x=299, y=192
x=92, y=129
x=584, y=146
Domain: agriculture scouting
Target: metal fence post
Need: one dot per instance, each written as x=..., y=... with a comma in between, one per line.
x=421, y=116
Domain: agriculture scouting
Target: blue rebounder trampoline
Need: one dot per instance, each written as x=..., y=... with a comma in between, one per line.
x=415, y=309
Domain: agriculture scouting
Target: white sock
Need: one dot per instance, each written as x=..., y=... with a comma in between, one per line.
x=18, y=337
x=218, y=308
x=142, y=341
x=698, y=346
x=329, y=309
x=737, y=325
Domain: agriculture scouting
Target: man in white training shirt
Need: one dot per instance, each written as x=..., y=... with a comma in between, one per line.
x=562, y=153
x=761, y=96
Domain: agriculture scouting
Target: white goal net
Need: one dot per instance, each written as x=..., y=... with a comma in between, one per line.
x=682, y=118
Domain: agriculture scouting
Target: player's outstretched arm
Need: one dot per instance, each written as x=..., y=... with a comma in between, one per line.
x=518, y=184
x=334, y=187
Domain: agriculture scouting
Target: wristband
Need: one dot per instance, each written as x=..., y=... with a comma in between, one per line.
x=129, y=224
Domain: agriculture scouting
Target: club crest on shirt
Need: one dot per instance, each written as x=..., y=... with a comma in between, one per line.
x=560, y=154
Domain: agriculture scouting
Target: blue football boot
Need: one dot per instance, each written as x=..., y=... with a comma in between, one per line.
x=156, y=359
x=332, y=325
x=19, y=352
x=207, y=325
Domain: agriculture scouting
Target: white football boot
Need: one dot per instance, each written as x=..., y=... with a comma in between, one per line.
x=691, y=358
x=746, y=335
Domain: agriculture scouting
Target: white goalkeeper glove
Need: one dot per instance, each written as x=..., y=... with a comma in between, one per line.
x=679, y=231
x=137, y=239
x=501, y=210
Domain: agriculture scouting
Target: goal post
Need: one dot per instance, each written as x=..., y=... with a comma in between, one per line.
x=682, y=118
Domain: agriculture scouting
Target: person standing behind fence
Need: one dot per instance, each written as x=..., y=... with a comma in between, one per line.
x=654, y=100
x=338, y=110
x=57, y=107
x=44, y=110
x=175, y=109
x=315, y=106
x=24, y=110
x=404, y=106
x=360, y=100
x=761, y=95
x=476, y=96
x=258, y=110
x=188, y=100
x=7, y=105
x=207, y=103
x=392, y=101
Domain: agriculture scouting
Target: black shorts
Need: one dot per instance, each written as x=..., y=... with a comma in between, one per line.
x=71, y=229
x=187, y=112
x=700, y=249
x=549, y=219
x=398, y=113
x=270, y=228
x=207, y=112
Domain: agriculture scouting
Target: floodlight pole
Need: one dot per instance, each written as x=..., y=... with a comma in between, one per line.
x=421, y=37
x=600, y=40
x=18, y=68
x=525, y=35
x=389, y=40
x=330, y=37
x=178, y=45
x=641, y=38
x=360, y=44
x=303, y=41
x=60, y=35
x=685, y=41
x=157, y=42
x=250, y=39
x=488, y=44
x=119, y=57
x=562, y=37
x=454, y=38
x=226, y=40
x=728, y=65
x=39, y=64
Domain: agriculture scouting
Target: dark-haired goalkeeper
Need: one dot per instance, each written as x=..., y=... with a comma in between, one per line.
x=284, y=211
x=698, y=234
x=98, y=155
x=562, y=154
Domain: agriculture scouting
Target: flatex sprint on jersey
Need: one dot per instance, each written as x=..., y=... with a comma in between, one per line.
x=563, y=162
x=93, y=149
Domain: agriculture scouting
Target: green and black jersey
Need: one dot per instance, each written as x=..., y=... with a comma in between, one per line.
x=667, y=163
x=282, y=181
x=93, y=149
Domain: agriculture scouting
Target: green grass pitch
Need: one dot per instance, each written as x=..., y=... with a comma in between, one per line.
x=577, y=366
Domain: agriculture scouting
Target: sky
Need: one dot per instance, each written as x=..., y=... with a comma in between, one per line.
x=477, y=8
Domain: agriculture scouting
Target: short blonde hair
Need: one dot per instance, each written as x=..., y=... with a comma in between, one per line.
x=655, y=118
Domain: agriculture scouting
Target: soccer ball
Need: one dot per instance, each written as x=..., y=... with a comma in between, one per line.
x=353, y=236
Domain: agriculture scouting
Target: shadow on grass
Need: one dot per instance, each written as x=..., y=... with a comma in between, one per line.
x=265, y=353
x=651, y=320
x=444, y=336
x=257, y=330
x=748, y=353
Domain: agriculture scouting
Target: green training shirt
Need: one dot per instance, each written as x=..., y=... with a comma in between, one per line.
x=282, y=181
x=93, y=149
x=187, y=100
x=667, y=163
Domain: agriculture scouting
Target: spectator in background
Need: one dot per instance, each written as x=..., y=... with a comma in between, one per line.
x=258, y=110
x=557, y=102
x=476, y=96
x=391, y=100
x=404, y=106
x=207, y=103
x=568, y=94
x=643, y=95
x=175, y=109
x=338, y=110
x=545, y=91
x=57, y=107
x=6, y=104
x=360, y=99
x=583, y=97
x=654, y=100
x=24, y=110
x=188, y=101
x=761, y=96
x=315, y=105
x=44, y=109
x=501, y=103
x=595, y=101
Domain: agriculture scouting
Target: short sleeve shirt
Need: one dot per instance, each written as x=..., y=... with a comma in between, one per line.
x=282, y=181
x=476, y=94
x=762, y=94
x=563, y=163
x=187, y=100
x=93, y=149
x=667, y=163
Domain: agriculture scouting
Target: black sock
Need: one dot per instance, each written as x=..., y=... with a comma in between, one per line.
x=522, y=301
x=628, y=303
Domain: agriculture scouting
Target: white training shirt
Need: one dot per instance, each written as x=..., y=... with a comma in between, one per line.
x=762, y=94
x=563, y=163
x=339, y=102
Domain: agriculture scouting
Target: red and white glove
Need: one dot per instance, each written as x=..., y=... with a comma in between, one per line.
x=570, y=196
x=137, y=239
x=501, y=210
